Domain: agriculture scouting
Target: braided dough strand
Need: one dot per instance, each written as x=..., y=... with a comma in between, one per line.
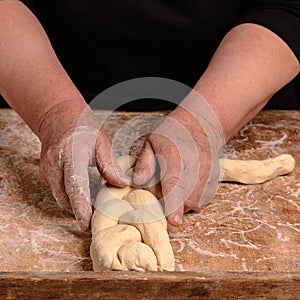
x=129, y=233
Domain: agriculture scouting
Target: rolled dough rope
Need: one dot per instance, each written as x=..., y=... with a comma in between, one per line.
x=256, y=171
x=108, y=192
x=244, y=171
x=151, y=225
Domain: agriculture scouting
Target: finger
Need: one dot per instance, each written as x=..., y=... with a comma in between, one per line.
x=172, y=180
x=145, y=166
x=106, y=162
x=202, y=173
x=209, y=172
x=174, y=197
x=174, y=203
x=77, y=186
x=212, y=183
x=175, y=218
x=53, y=175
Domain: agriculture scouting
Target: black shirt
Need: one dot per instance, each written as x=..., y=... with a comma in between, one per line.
x=101, y=43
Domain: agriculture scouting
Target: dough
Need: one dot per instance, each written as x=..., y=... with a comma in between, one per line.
x=129, y=229
x=145, y=200
x=256, y=171
x=106, y=244
x=137, y=256
x=154, y=234
x=129, y=233
x=108, y=214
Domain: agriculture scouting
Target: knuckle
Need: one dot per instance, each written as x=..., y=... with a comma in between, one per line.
x=106, y=166
x=192, y=204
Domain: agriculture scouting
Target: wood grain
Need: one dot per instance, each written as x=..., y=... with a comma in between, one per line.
x=132, y=285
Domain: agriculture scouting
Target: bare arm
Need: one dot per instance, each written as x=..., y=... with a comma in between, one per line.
x=250, y=65
x=32, y=80
x=34, y=83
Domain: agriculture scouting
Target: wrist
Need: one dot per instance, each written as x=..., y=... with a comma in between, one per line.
x=197, y=108
x=60, y=118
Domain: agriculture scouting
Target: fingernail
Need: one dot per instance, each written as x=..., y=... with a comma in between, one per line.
x=178, y=219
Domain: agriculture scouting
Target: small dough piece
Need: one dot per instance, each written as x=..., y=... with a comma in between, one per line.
x=106, y=244
x=154, y=234
x=137, y=256
x=256, y=171
x=126, y=162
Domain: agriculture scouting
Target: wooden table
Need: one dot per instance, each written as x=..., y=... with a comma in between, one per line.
x=244, y=245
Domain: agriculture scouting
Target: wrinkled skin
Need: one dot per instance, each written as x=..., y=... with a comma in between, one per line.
x=68, y=148
x=186, y=147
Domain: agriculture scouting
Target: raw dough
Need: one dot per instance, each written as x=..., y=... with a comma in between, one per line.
x=154, y=234
x=129, y=229
x=106, y=244
x=137, y=256
x=130, y=234
x=145, y=200
x=256, y=171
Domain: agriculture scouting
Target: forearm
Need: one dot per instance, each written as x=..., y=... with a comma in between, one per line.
x=249, y=66
x=32, y=79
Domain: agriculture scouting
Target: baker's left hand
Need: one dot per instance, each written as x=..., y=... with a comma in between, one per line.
x=186, y=147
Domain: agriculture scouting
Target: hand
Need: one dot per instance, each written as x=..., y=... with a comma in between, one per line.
x=73, y=139
x=186, y=146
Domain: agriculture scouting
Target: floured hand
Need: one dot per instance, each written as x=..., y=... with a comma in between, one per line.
x=72, y=140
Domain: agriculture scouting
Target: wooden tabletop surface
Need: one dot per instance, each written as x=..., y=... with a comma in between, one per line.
x=246, y=228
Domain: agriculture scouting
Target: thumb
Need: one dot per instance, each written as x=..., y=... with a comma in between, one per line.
x=145, y=165
x=174, y=198
x=106, y=163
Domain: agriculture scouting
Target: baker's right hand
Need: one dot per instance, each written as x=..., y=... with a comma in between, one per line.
x=69, y=147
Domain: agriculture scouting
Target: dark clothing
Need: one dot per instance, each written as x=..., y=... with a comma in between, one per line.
x=101, y=43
